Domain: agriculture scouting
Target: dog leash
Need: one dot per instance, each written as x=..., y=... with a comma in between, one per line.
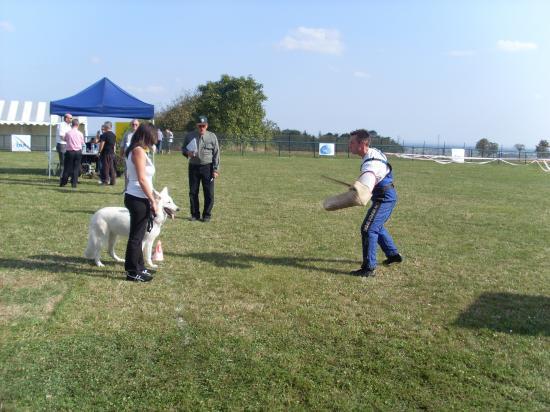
x=150, y=221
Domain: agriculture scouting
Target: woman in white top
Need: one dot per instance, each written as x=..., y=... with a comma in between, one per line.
x=139, y=199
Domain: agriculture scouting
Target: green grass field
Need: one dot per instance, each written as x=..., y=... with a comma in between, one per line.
x=255, y=310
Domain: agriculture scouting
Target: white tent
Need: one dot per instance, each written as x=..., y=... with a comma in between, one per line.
x=31, y=118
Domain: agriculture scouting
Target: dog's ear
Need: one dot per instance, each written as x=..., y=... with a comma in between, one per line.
x=164, y=191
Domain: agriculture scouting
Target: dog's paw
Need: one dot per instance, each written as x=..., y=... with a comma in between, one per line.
x=152, y=265
x=119, y=260
x=99, y=264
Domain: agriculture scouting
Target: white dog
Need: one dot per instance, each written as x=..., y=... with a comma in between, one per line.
x=110, y=222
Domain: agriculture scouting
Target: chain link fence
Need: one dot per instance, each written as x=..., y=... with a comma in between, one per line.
x=286, y=146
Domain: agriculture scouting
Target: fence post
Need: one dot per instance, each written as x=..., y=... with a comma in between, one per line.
x=289, y=145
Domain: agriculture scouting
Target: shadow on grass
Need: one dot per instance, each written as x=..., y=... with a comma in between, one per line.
x=247, y=261
x=23, y=171
x=27, y=182
x=508, y=313
x=63, y=264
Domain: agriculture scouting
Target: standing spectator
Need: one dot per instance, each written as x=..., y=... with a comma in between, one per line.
x=139, y=200
x=169, y=139
x=202, y=149
x=160, y=137
x=107, y=143
x=60, y=145
x=74, y=141
x=127, y=138
x=125, y=144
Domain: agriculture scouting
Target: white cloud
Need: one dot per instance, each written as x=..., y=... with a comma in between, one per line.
x=361, y=74
x=325, y=41
x=515, y=46
x=460, y=53
x=95, y=60
x=6, y=26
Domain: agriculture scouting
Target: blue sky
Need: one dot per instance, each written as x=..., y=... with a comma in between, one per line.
x=453, y=71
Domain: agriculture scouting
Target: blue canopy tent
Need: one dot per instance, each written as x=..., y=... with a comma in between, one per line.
x=101, y=99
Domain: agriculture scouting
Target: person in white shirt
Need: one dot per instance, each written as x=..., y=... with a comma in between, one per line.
x=139, y=199
x=375, y=183
x=125, y=144
x=60, y=144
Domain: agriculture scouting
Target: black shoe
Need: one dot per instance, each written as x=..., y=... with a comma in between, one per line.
x=138, y=277
x=193, y=219
x=206, y=219
x=393, y=259
x=148, y=272
x=363, y=272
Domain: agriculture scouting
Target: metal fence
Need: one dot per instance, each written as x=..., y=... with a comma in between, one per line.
x=285, y=146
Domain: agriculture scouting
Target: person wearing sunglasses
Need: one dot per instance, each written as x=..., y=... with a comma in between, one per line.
x=203, y=151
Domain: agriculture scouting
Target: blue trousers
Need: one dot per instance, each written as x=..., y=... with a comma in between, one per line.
x=373, y=232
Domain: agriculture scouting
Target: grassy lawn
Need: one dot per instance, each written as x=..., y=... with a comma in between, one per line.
x=255, y=310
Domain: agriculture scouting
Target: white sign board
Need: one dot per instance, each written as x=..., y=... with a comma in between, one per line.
x=457, y=155
x=20, y=142
x=326, y=149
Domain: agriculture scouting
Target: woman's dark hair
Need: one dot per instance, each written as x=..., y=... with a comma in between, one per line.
x=145, y=136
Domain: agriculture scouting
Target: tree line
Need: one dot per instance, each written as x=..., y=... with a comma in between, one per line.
x=234, y=106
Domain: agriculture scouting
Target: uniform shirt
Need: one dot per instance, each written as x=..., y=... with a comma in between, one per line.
x=126, y=140
x=208, y=149
x=134, y=188
x=110, y=141
x=62, y=129
x=74, y=140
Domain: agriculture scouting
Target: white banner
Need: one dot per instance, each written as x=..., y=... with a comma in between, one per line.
x=20, y=142
x=457, y=155
x=326, y=149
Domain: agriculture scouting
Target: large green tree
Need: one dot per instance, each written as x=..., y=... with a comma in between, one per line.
x=543, y=149
x=179, y=114
x=486, y=147
x=234, y=108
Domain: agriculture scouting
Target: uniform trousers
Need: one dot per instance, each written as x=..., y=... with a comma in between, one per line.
x=373, y=232
x=61, y=149
x=139, y=209
x=201, y=174
x=107, y=171
x=71, y=167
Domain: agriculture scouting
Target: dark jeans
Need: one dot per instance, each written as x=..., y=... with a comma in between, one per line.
x=198, y=174
x=107, y=171
x=71, y=167
x=139, y=212
x=61, y=149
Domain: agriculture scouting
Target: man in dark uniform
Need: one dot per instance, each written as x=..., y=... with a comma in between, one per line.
x=202, y=149
x=375, y=181
x=107, y=143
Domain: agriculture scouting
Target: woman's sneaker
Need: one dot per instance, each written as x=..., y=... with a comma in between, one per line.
x=138, y=277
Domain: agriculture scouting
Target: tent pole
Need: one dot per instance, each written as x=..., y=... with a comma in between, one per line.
x=50, y=150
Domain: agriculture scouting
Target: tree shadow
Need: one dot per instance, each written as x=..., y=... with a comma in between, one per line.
x=247, y=261
x=63, y=264
x=508, y=313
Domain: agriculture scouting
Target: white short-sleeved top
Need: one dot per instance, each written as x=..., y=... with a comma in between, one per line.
x=134, y=188
x=378, y=169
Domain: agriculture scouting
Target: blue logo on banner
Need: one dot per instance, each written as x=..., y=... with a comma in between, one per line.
x=325, y=150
